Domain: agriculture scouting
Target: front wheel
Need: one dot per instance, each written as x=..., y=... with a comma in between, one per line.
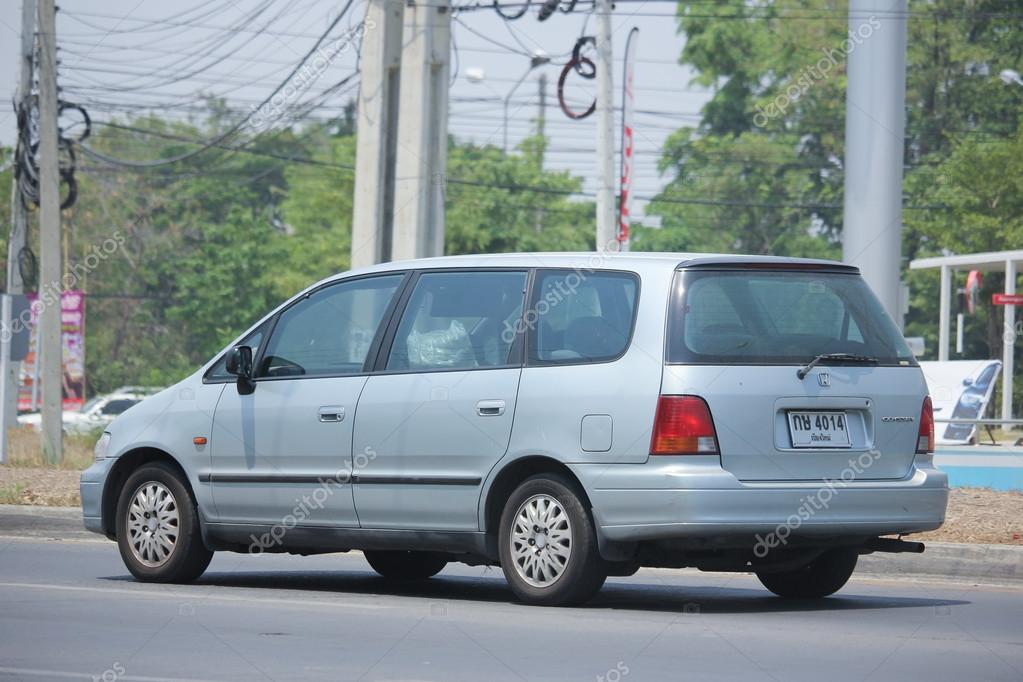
x=823, y=576
x=406, y=565
x=547, y=544
x=158, y=530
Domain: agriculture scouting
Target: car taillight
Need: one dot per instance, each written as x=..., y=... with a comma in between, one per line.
x=925, y=438
x=683, y=426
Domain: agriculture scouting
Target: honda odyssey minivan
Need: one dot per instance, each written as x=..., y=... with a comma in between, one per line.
x=567, y=417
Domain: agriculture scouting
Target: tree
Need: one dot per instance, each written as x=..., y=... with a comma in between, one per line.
x=497, y=202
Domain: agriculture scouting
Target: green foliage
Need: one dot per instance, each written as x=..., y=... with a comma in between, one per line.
x=191, y=254
x=487, y=212
x=979, y=187
x=752, y=215
x=317, y=215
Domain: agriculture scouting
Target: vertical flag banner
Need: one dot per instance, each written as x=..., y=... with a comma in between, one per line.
x=72, y=327
x=628, y=146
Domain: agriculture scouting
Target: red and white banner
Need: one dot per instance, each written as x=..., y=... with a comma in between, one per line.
x=628, y=146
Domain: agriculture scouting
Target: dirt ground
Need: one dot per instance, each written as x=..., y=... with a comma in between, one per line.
x=39, y=485
x=981, y=515
x=974, y=514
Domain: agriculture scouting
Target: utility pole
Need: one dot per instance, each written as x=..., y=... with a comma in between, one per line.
x=51, y=359
x=376, y=133
x=541, y=118
x=874, y=140
x=11, y=370
x=606, y=222
x=421, y=158
x=541, y=125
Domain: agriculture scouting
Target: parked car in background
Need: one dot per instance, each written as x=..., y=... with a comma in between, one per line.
x=563, y=416
x=97, y=412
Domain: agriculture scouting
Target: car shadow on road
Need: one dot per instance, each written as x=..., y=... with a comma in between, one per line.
x=623, y=595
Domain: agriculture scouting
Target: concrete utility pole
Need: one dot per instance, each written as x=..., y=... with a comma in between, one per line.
x=377, y=133
x=606, y=222
x=19, y=228
x=541, y=125
x=421, y=159
x=49, y=230
x=874, y=138
x=541, y=118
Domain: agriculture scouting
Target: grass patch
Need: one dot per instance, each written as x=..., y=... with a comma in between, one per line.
x=12, y=493
x=24, y=450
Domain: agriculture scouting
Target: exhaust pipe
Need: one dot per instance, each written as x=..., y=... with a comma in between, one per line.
x=892, y=546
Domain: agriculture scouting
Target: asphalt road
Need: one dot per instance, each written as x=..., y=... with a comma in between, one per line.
x=69, y=610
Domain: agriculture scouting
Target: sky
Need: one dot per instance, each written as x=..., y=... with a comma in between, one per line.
x=119, y=57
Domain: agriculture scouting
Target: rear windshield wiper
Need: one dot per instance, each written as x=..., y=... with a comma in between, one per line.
x=834, y=357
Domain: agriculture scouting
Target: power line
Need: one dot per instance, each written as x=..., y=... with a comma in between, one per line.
x=234, y=128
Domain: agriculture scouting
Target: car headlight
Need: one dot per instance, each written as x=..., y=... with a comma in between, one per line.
x=100, y=451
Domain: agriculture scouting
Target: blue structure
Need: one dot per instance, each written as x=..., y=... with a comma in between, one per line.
x=998, y=468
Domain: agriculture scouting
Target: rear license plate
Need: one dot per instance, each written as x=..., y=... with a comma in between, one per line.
x=818, y=429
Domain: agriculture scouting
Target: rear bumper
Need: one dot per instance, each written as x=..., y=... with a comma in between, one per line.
x=693, y=497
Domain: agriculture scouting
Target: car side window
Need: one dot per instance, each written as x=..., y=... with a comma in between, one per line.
x=581, y=316
x=115, y=407
x=328, y=332
x=459, y=320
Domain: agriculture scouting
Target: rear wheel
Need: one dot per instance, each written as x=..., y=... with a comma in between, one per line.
x=547, y=544
x=406, y=565
x=823, y=576
x=158, y=530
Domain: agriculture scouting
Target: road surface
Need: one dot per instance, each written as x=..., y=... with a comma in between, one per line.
x=69, y=610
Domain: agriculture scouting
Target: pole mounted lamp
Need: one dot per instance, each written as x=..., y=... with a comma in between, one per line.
x=477, y=75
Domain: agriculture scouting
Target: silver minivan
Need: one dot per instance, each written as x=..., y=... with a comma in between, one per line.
x=565, y=416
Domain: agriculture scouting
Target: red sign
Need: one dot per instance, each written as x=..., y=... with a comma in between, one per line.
x=628, y=151
x=1007, y=299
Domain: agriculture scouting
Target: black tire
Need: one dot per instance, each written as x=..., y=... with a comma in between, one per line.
x=575, y=580
x=823, y=576
x=406, y=565
x=188, y=556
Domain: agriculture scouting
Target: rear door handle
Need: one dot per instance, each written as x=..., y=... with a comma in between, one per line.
x=331, y=413
x=490, y=408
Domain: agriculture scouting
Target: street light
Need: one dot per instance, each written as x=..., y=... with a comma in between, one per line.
x=476, y=75
x=1010, y=76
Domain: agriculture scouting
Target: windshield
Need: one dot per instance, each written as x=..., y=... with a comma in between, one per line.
x=778, y=317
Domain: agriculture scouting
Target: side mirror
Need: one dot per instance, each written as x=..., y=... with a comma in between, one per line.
x=239, y=363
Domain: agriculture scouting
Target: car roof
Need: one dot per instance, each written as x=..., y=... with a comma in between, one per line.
x=587, y=260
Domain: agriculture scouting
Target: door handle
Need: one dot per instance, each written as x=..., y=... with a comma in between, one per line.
x=331, y=413
x=490, y=408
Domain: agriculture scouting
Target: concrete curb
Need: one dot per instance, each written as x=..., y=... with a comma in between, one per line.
x=31, y=521
x=999, y=564
x=984, y=564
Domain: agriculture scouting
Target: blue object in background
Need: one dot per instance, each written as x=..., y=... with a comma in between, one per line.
x=972, y=467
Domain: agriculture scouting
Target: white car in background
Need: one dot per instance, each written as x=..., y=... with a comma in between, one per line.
x=97, y=412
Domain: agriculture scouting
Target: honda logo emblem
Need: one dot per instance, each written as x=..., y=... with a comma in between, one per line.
x=824, y=379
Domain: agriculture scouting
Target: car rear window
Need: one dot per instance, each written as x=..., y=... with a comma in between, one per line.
x=778, y=317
